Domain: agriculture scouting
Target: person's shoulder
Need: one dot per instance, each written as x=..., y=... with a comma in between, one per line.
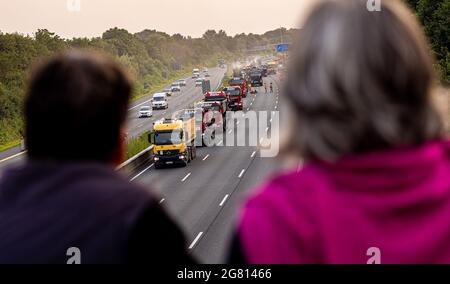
x=291, y=187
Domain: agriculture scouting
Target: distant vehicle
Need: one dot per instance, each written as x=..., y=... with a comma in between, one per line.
x=168, y=92
x=221, y=63
x=207, y=75
x=145, y=111
x=182, y=82
x=159, y=101
x=234, y=95
x=272, y=68
x=205, y=69
x=242, y=83
x=175, y=87
x=195, y=73
x=220, y=97
x=199, y=82
x=256, y=78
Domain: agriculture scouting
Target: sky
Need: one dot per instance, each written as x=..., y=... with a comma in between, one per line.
x=188, y=17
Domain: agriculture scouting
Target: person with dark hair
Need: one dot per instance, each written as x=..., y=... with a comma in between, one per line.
x=375, y=182
x=67, y=200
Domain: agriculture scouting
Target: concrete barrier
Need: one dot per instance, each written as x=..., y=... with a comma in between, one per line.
x=129, y=166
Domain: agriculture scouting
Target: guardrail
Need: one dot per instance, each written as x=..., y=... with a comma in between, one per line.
x=129, y=166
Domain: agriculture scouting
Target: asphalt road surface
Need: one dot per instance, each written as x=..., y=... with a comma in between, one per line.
x=205, y=196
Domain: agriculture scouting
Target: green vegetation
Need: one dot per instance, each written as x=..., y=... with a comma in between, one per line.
x=435, y=17
x=153, y=58
x=137, y=144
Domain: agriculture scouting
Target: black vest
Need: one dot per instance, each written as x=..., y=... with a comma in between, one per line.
x=47, y=209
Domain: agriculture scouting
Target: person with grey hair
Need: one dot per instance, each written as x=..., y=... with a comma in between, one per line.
x=375, y=186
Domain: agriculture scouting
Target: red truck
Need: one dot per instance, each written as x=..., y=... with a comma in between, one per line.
x=212, y=115
x=220, y=97
x=242, y=83
x=235, y=98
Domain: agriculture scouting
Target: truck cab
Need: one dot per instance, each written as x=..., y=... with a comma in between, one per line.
x=173, y=141
x=235, y=100
x=219, y=97
x=240, y=82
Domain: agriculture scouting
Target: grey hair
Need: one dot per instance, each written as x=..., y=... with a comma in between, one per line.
x=359, y=81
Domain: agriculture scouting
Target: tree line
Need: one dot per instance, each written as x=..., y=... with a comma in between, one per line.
x=152, y=57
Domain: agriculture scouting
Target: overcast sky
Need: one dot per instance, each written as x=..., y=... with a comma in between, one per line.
x=188, y=17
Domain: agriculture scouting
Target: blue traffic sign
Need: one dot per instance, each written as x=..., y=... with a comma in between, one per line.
x=284, y=47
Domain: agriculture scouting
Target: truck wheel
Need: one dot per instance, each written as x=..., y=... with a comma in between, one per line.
x=189, y=155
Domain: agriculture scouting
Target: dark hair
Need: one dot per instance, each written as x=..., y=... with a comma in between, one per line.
x=360, y=81
x=75, y=107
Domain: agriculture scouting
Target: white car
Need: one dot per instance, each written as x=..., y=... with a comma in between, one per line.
x=199, y=82
x=159, y=101
x=145, y=111
x=182, y=82
x=175, y=87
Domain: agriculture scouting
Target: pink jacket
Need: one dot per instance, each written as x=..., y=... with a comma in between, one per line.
x=395, y=202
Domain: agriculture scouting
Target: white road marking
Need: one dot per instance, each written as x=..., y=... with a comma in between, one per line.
x=139, y=174
x=140, y=104
x=230, y=131
x=242, y=173
x=196, y=240
x=267, y=129
x=270, y=120
x=206, y=157
x=261, y=140
x=162, y=200
x=237, y=123
x=224, y=200
x=275, y=107
x=12, y=157
x=186, y=177
x=253, y=154
x=220, y=143
x=248, y=109
x=140, y=125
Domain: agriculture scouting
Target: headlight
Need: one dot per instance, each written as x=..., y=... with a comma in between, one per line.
x=156, y=159
x=181, y=157
x=161, y=152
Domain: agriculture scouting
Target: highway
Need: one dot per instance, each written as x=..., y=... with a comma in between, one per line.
x=203, y=197
x=179, y=100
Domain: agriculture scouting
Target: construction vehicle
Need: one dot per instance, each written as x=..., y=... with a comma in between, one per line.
x=174, y=140
x=235, y=98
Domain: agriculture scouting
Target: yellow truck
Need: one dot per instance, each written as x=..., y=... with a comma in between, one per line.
x=174, y=140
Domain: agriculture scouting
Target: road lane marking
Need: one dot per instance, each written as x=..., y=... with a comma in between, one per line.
x=139, y=174
x=275, y=107
x=196, y=240
x=162, y=200
x=242, y=173
x=261, y=140
x=220, y=143
x=12, y=157
x=224, y=200
x=267, y=129
x=140, y=125
x=186, y=177
x=253, y=154
x=229, y=131
x=238, y=121
x=271, y=120
x=206, y=157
